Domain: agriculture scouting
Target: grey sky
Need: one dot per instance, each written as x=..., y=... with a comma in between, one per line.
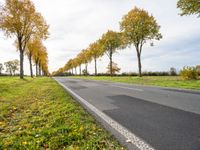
x=74, y=24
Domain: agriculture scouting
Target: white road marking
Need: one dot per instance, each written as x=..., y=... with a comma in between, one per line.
x=131, y=137
x=123, y=87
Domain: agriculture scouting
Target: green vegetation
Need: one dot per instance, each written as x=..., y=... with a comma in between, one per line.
x=164, y=81
x=189, y=73
x=189, y=7
x=39, y=114
x=137, y=28
x=20, y=20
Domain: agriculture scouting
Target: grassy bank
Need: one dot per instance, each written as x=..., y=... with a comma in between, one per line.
x=39, y=114
x=164, y=81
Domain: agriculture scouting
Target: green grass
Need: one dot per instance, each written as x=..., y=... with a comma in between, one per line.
x=39, y=114
x=169, y=81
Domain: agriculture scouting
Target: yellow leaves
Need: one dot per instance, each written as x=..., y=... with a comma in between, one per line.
x=110, y=41
x=2, y=124
x=17, y=15
x=95, y=49
x=81, y=129
x=94, y=128
x=73, y=148
x=24, y=143
x=8, y=142
x=60, y=124
x=19, y=18
x=189, y=7
x=14, y=108
x=138, y=26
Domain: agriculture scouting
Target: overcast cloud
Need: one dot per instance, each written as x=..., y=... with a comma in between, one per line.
x=74, y=24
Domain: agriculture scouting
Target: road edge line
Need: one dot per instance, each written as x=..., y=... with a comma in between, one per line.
x=129, y=136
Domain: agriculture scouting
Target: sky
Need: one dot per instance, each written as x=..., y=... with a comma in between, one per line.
x=74, y=24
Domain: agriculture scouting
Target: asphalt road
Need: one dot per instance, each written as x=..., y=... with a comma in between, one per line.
x=166, y=119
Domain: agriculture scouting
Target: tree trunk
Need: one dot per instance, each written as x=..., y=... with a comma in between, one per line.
x=31, y=68
x=139, y=64
x=111, y=73
x=75, y=71
x=80, y=70
x=21, y=64
x=95, y=62
x=36, y=69
x=39, y=69
x=86, y=68
x=72, y=71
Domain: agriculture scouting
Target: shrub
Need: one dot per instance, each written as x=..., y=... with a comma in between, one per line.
x=85, y=72
x=189, y=73
x=157, y=73
x=129, y=74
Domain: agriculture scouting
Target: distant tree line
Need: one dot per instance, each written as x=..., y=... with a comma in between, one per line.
x=137, y=28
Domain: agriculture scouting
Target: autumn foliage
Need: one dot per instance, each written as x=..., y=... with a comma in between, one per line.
x=137, y=28
x=19, y=19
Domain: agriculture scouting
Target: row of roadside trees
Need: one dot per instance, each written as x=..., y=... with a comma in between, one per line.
x=19, y=19
x=137, y=28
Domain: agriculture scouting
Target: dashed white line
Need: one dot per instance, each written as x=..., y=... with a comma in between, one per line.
x=131, y=137
x=123, y=87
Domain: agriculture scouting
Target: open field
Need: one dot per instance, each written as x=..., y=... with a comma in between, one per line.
x=164, y=81
x=39, y=114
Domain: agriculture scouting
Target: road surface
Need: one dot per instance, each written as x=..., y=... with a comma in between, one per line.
x=162, y=118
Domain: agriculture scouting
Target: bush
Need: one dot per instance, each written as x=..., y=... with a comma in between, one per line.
x=129, y=74
x=85, y=72
x=189, y=73
x=157, y=73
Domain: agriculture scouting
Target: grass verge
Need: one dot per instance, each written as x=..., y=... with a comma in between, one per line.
x=164, y=81
x=39, y=114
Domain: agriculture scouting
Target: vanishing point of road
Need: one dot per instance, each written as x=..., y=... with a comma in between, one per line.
x=142, y=117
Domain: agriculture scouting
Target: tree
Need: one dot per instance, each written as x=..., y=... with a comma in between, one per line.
x=12, y=66
x=137, y=28
x=115, y=68
x=173, y=71
x=8, y=65
x=198, y=69
x=110, y=41
x=59, y=72
x=79, y=61
x=15, y=66
x=189, y=7
x=39, y=55
x=69, y=66
x=32, y=46
x=85, y=55
x=95, y=52
x=85, y=72
x=19, y=18
x=43, y=59
x=1, y=68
